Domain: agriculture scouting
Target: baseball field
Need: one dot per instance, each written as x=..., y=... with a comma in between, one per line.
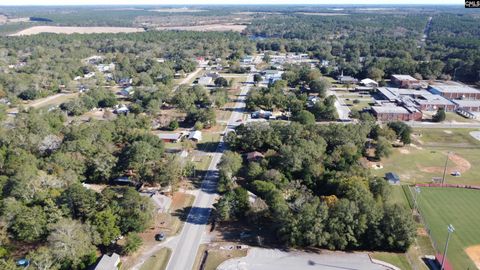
x=459, y=207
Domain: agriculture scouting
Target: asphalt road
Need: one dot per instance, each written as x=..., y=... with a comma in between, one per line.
x=187, y=243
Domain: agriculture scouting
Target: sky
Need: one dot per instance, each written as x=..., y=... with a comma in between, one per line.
x=221, y=2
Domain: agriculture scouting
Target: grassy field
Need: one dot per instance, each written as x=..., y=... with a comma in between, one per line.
x=158, y=261
x=443, y=206
x=397, y=259
x=425, y=159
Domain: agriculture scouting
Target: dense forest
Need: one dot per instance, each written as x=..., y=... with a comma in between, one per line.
x=44, y=205
x=314, y=190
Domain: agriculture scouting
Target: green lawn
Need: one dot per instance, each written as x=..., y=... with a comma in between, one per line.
x=158, y=261
x=425, y=160
x=459, y=207
x=397, y=259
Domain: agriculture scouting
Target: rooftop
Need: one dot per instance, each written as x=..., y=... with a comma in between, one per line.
x=108, y=262
x=453, y=87
x=467, y=103
x=404, y=77
x=390, y=109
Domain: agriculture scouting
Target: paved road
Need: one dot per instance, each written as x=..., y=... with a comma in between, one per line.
x=342, y=109
x=273, y=259
x=185, y=247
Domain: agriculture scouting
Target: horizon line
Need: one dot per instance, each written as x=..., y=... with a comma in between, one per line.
x=238, y=4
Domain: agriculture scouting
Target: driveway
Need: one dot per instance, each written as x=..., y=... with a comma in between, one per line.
x=274, y=259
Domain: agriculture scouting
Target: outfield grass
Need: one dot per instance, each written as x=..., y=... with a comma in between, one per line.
x=158, y=261
x=459, y=207
x=425, y=160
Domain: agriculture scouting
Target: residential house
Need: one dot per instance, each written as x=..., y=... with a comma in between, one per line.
x=262, y=114
x=108, y=262
x=127, y=91
x=205, y=81
x=121, y=109
x=405, y=81
x=125, y=82
x=170, y=137
x=247, y=60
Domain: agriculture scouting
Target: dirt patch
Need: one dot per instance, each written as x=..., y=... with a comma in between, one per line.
x=462, y=165
x=422, y=232
x=404, y=151
x=473, y=253
x=207, y=28
x=416, y=146
x=71, y=30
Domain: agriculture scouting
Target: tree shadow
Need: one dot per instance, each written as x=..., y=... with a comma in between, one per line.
x=194, y=215
x=209, y=147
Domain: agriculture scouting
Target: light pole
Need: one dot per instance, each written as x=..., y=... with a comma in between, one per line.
x=445, y=168
x=415, y=202
x=450, y=229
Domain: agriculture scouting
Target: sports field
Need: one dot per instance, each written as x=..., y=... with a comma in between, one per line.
x=425, y=158
x=459, y=207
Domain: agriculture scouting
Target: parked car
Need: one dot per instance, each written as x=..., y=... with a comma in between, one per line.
x=160, y=236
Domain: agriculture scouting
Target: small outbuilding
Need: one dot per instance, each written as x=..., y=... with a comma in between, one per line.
x=195, y=136
x=392, y=178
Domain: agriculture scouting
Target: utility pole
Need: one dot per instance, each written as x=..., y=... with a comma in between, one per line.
x=450, y=229
x=445, y=168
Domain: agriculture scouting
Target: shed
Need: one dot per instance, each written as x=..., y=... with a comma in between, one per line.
x=108, y=262
x=392, y=178
x=195, y=135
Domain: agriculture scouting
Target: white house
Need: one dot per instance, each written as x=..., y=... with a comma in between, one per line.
x=108, y=262
x=205, y=81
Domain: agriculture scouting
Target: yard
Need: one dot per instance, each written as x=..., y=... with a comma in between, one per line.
x=158, y=261
x=171, y=222
x=211, y=257
x=425, y=158
x=459, y=207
